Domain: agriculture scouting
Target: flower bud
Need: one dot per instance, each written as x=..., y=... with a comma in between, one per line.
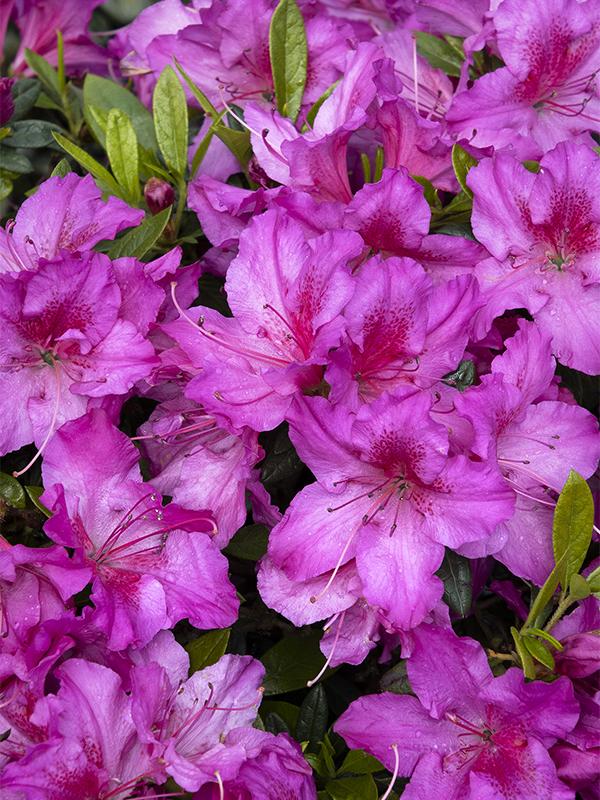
x=158, y=195
x=7, y=106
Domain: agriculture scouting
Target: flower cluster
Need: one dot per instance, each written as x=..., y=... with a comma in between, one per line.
x=363, y=231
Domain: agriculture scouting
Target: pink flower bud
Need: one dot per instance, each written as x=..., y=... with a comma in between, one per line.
x=158, y=195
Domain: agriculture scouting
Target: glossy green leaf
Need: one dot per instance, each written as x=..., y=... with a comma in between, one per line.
x=289, y=57
x=139, y=241
x=455, y=572
x=359, y=788
x=104, y=94
x=430, y=192
x=538, y=651
x=275, y=724
x=288, y=712
x=169, y=107
x=360, y=763
x=396, y=680
x=572, y=526
x=249, y=543
x=292, y=662
x=25, y=93
x=34, y=493
x=11, y=491
x=312, y=720
x=207, y=649
x=462, y=377
x=11, y=161
x=103, y=177
x=61, y=169
x=440, y=53
x=462, y=163
x=122, y=151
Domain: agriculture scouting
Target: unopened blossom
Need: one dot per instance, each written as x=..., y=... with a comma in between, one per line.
x=543, y=231
x=466, y=734
x=150, y=564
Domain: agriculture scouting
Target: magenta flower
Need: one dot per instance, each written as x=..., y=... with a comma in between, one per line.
x=401, y=330
x=199, y=463
x=547, y=92
x=66, y=339
x=536, y=443
x=389, y=496
x=466, y=735
x=286, y=295
x=544, y=233
x=64, y=214
x=187, y=727
x=150, y=565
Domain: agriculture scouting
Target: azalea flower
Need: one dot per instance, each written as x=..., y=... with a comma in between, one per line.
x=466, y=734
x=150, y=564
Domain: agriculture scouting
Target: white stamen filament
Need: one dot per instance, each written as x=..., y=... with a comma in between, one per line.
x=388, y=791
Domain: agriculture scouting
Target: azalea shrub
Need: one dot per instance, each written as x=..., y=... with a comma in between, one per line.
x=299, y=341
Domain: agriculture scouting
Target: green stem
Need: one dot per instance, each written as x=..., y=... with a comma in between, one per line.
x=563, y=605
x=181, y=200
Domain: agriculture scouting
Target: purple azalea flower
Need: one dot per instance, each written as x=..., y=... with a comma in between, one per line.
x=199, y=463
x=187, y=726
x=466, y=735
x=7, y=105
x=38, y=21
x=67, y=338
x=64, y=214
x=286, y=295
x=274, y=769
x=388, y=496
x=544, y=233
x=400, y=330
x=150, y=565
x=536, y=443
x=547, y=91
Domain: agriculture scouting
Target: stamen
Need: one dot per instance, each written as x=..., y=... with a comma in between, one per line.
x=221, y=787
x=415, y=75
x=336, y=569
x=325, y=666
x=388, y=791
x=51, y=428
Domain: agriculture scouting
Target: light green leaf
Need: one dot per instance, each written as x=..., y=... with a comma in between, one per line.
x=122, y=151
x=207, y=649
x=289, y=57
x=524, y=654
x=6, y=186
x=360, y=763
x=572, y=526
x=292, y=662
x=439, y=53
x=169, y=106
x=11, y=491
x=104, y=95
x=539, y=652
x=103, y=177
x=34, y=493
x=46, y=73
x=314, y=109
x=462, y=163
x=360, y=788
x=579, y=588
x=543, y=635
x=61, y=169
x=593, y=580
x=141, y=240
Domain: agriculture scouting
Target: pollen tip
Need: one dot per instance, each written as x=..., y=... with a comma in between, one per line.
x=313, y=599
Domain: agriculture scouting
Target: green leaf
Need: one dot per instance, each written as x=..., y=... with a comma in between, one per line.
x=396, y=680
x=275, y=724
x=34, y=493
x=201, y=150
x=104, y=95
x=139, y=241
x=46, y=73
x=430, y=193
x=360, y=763
x=360, y=788
x=462, y=163
x=6, y=186
x=458, y=210
x=572, y=526
x=289, y=57
x=524, y=654
x=312, y=721
x=532, y=166
x=237, y=141
x=249, y=543
x=11, y=491
x=579, y=588
x=316, y=106
x=122, y=151
x=288, y=712
x=171, y=121
x=545, y=594
x=292, y=662
x=440, y=53
x=14, y=162
x=61, y=169
x=539, y=652
x=103, y=177
x=543, y=635
x=25, y=93
x=462, y=377
x=31, y=133
x=281, y=462
x=455, y=572
x=593, y=580
x=207, y=649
